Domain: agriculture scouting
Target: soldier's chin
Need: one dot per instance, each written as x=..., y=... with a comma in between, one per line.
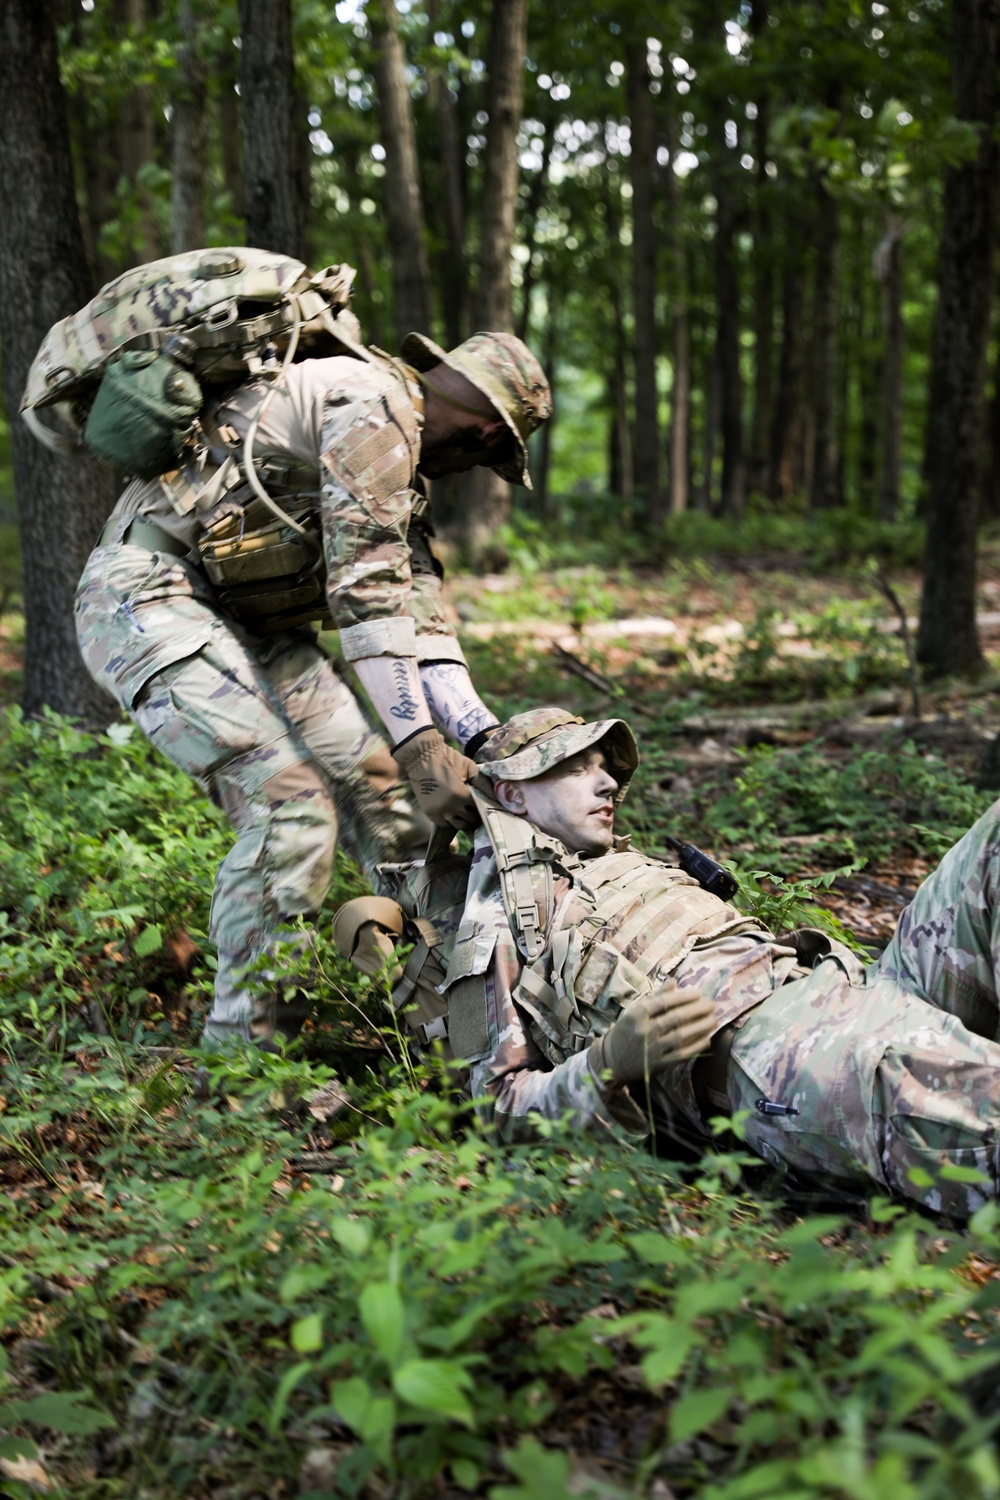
x=597, y=840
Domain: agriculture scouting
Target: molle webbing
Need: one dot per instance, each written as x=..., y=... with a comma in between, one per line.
x=518, y=857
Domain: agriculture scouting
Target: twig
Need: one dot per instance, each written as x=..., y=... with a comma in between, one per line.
x=596, y=679
x=904, y=630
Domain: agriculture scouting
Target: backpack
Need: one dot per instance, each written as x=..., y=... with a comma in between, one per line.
x=127, y=370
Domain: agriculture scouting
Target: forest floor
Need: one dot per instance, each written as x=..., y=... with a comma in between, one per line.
x=209, y=1289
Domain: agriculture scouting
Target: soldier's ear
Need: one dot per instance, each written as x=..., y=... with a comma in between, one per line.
x=510, y=796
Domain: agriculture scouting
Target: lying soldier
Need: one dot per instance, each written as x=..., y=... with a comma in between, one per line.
x=585, y=979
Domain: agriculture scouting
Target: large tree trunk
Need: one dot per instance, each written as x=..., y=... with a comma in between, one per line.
x=889, y=273
x=485, y=500
x=62, y=503
x=641, y=169
x=763, y=278
x=231, y=131
x=825, y=491
x=947, y=641
x=270, y=139
x=621, y=471
x=187, y=197
x=404, y=212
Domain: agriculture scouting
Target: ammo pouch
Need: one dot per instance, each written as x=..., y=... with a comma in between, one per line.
x=267, y=575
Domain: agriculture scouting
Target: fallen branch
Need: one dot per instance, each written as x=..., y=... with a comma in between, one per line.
x=904, y=631
x=571, y=663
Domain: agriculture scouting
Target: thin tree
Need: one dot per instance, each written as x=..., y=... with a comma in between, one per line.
x=825, y=490
x=137, y=138
x=62, y=502
x=404, y=210
x=947, y=640
x=274, y=211
x=187, y=195
x=485, y=499
x=888, y=267
x=641, y=170
x=680, y=334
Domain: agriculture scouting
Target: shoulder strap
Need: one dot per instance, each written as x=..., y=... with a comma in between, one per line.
x=520, y=862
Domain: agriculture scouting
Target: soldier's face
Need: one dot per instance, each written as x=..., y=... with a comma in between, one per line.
x=573, y=802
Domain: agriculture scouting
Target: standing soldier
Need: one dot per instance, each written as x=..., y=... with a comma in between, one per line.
x=296, y=496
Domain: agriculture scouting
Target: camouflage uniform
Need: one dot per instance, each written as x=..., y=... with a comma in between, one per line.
x=891, y=1067
x=265, y=722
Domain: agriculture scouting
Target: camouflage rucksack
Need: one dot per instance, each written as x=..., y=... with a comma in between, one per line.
x=126, y=371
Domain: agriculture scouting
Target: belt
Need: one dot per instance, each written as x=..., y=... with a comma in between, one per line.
x=146, y=534
x=709, y=1077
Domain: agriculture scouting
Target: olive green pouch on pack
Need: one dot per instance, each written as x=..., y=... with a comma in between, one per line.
x=144, y=412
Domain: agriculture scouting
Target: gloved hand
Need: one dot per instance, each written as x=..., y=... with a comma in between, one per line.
x=664, y=1027
x=439, y=777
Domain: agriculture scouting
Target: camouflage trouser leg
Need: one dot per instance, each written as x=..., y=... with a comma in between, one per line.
x=897, y=1081
x=276, y=738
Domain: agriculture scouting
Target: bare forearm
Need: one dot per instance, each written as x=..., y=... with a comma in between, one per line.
x=393, y=685
x=454, y=704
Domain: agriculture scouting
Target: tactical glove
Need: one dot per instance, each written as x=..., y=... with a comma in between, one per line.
x=665, y=1027
x=440, y=778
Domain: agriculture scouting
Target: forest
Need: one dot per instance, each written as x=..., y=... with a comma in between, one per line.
x=754, y=247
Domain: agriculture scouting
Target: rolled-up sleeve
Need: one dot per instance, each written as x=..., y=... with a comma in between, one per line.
x=369, y=455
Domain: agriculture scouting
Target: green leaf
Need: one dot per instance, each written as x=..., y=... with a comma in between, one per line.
x=663, y=1363
x=68, y=1412
x=286, y=1386
x=13, y=1448
x=150, y=940
x=351, y=1399
x=352, y=1235
x=307, y=1334
x=435, y=1385
x=465, y=1473
x=383, y=1316
x=696, y=1411
x=378, y=1427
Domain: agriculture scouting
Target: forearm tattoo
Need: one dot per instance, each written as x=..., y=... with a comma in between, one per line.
x=454, y=704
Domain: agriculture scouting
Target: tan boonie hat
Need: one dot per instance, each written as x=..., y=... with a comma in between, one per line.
x=535, y=741
x=507, y=374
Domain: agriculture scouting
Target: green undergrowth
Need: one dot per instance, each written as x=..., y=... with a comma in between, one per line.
x=205, y=1292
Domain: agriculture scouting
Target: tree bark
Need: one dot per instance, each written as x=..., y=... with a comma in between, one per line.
x=270, y=140
x=187, y=197
x=137, y=135
x=485, y=498
x=786, y=425
x=641, y=170
x=404, y=211
x=450, y=192
x=231, y=132
x=947, y=641
x=825, y=490
x=536, y=198
x=732, y=497
x=763, y=278
x=889, y=273
x=679, y=474
x=62, y=503
x=621, y=472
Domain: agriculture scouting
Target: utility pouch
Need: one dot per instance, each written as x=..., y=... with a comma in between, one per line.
x=267, y=575
x=144, y=412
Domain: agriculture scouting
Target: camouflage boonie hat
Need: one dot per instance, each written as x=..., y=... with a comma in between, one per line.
x=533, y=742
x=507, y=374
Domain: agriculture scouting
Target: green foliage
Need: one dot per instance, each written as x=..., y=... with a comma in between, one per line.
x=867, y=807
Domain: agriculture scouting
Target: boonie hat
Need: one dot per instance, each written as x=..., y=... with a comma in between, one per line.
x=507, y=373
x=535, y=741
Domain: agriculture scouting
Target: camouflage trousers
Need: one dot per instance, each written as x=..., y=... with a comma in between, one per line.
x=896, y=1078
x=276, y=738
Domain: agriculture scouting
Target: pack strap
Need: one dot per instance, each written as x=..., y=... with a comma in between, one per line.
x=518, y=855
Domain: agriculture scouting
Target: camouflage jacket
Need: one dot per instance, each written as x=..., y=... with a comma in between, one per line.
x=614, y=928
x=357, y=426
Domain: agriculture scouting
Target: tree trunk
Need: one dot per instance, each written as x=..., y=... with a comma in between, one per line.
x=543, y=440
x=370, y=311
x=621, y=471
x=641, y=169
x=404, y=212
x=825, y=493
x=137, y=133
x=187, y=197
x=536, y=197
x=504, y=103
x=454, y=278
x=889, y=273
x=710, y=432
x=763, y=281
x=270, y=140
x=786, y=427
x=732, y=496
x=62, y=503
x=231, y=133
x=680, y=338
x=991, y=479
x=947, y=641
x=485, y=498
